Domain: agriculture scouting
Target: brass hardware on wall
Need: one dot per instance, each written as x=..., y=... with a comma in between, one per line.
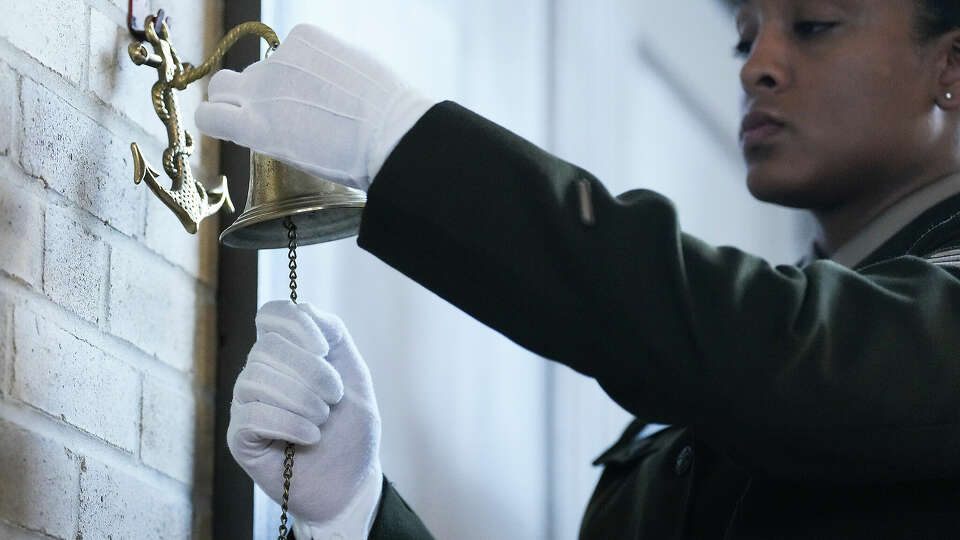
x=187, y=197
x=278, y=195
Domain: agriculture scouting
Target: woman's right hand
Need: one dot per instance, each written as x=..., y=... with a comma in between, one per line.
x=317, y=103
x=305, y=382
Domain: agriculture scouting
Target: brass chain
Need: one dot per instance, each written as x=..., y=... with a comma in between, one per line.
x=292, y=265
x=290, y=449
x=287, y=476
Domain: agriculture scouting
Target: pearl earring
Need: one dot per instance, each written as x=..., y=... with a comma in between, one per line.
x=949, y=95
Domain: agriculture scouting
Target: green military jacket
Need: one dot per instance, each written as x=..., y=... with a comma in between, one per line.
x=806, y=402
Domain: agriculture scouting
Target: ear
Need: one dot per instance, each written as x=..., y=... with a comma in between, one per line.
x=949, y=80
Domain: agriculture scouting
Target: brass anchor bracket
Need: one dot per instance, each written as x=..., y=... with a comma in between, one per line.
x=187, y=197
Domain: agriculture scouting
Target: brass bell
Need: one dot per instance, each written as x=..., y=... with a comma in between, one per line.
x=321, y=209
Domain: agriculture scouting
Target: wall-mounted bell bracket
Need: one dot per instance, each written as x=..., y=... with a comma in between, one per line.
x=186, y=197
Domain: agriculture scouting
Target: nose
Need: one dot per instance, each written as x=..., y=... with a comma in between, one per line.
x=766, y=69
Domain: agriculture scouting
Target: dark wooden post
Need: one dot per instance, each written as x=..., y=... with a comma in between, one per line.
x=236, y=308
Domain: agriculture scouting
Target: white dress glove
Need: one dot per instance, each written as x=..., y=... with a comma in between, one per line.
x=316, y=103
x=305, y=382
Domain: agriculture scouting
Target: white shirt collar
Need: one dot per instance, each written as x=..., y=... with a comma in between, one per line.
x=897, y=216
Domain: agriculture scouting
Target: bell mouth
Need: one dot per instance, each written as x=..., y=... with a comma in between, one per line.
x=322, y=210
x=317, y=219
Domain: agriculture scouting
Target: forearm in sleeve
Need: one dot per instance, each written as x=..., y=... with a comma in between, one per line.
x=801, y=372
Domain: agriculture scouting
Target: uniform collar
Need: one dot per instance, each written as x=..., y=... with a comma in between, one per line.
x=897, y=228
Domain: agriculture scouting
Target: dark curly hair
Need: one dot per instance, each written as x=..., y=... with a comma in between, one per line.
x=937, y=17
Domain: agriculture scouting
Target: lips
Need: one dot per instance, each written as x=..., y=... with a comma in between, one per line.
x=758, y=126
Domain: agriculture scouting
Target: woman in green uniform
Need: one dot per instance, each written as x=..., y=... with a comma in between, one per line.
x=820, y=400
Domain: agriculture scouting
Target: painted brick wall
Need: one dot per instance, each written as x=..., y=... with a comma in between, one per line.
x=106, y=304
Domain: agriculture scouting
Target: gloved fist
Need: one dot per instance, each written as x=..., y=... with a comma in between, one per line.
x=316, y=103
x=305, y=382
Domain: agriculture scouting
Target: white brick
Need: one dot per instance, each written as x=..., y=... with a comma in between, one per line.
x=115, y=505
x=75, y=263
x=177, y=432
x=52, y=31
x=70, y=379
x=80, y=159
x=117, y=80
x=21, y=232
x=8, y=111
x=195, y=253
x=158, y=308
x=38, y=483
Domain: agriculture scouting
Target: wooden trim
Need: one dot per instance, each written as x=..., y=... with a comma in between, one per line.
x=236, y=308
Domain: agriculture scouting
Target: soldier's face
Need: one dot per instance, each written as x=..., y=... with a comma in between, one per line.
x=851, y=93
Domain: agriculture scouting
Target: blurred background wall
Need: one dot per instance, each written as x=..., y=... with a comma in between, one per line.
x=482, y=438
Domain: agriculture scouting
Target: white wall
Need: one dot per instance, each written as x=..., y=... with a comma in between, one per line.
x=482, y=438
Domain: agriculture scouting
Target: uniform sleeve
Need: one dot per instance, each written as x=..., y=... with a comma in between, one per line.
x=395, y=520
x=815, y=373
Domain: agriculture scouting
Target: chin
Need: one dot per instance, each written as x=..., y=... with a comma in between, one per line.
x=784, y=188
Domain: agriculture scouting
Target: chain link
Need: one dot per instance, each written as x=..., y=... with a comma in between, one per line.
x=292, y=265
x=287, y=476
x=290, y=449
